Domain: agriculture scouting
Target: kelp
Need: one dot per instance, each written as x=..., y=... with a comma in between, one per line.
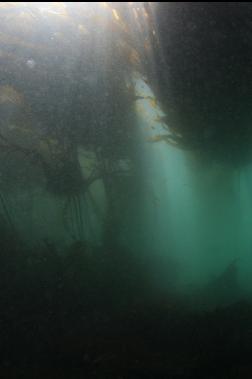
x=73, y=217
x=199, y=69
x=59, y=91
x=204, y=109
x=68, y=74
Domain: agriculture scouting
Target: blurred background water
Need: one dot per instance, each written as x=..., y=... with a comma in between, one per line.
x=125, y=185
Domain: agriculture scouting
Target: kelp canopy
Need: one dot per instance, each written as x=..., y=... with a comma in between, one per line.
x=67, y=82
x=203, y=76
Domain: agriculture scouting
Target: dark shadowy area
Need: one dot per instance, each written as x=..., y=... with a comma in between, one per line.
x=92, y=313
x=203, y=76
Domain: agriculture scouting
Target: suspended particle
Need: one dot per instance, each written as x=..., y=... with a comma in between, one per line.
x=115, y=14
x=31, y=63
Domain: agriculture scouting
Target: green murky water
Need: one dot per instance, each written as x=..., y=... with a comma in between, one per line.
x=125, y=190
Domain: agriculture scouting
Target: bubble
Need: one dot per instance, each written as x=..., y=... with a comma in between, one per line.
x=31, y=63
